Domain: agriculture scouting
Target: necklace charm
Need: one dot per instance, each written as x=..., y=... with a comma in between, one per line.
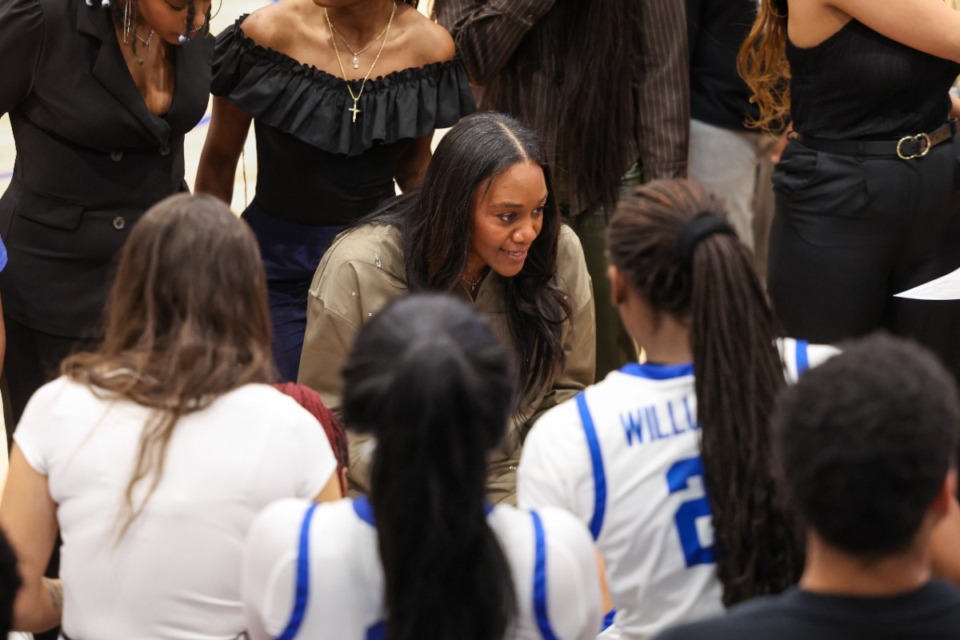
x=145, y=41
x=356, y=57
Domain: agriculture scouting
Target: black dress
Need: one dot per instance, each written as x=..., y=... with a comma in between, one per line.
x=317, y=169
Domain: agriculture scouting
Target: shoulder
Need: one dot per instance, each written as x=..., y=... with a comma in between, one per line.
x=427, y=41
x=362, y=269
x=762, y=618
x=562, y=529
x=272, y=525
x=551, y=528
x=375, y=245
x=558, y=424
x=262, y=408
x=572, y=274
x=274, y=25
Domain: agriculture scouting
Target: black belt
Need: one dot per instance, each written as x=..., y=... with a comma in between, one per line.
x=906, y=148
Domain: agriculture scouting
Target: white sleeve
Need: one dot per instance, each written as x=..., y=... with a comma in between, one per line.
x=39, y=417
x=575, y=605
x=817, y=354
x=551, y=461
x=298, y=460
x=268, y=578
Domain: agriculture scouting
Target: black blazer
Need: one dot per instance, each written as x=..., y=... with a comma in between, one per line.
x=91, y=158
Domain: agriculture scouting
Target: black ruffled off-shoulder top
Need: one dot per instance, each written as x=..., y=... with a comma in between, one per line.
x=314, y=164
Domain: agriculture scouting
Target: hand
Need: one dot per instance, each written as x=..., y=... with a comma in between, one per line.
x=782, y=141
x=954, y=105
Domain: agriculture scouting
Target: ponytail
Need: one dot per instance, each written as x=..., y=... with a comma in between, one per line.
x=739, y=373
x=428, y=379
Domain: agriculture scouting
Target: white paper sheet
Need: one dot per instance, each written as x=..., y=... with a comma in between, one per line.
x=943, y=288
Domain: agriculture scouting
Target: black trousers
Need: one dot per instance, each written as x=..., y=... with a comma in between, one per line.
x=849, y=232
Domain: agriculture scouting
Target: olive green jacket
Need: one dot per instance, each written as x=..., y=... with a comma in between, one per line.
x=364, y=270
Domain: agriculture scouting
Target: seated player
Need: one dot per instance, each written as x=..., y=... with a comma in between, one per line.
x=425, y=556
x=648, y=454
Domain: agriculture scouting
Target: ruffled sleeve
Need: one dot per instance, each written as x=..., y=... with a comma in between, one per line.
x=21, y=42
x=312, y=105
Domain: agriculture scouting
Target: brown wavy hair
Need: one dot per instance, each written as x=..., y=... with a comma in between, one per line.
x=739, y=373
x=186, y=322
x=762, y=62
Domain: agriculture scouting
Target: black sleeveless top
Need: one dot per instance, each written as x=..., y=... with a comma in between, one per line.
x=314, y=164
x=858, y=84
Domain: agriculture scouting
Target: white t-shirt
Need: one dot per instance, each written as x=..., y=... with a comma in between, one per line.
x=624, y=457
x=176, y=571
x=344, y=584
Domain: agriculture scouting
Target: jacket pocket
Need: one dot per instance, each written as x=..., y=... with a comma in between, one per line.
x=49, y=211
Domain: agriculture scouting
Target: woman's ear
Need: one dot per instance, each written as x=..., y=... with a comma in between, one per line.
x=618, y=286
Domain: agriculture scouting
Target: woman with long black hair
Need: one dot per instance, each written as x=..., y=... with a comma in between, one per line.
x=424, y=556
x=605, y=85
x=667, y=461
x=483, y=226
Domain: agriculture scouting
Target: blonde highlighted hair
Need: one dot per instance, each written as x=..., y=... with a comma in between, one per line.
x=762, y=62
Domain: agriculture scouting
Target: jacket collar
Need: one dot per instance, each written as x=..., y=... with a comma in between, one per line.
x=110, y=70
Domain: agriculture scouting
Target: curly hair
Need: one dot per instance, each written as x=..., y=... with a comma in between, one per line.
x=762, y=62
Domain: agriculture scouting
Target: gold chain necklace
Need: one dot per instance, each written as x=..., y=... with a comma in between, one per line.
x=356, y=96
x=473, y=285
x=356, y=54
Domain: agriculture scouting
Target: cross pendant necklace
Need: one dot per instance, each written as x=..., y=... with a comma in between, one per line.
x=356, y=58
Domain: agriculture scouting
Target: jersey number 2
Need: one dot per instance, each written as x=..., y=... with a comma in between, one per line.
x=694, y=552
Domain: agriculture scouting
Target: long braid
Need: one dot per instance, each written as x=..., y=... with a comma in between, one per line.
x=738, y=375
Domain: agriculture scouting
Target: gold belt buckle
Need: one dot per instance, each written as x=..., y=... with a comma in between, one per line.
x=917, y=138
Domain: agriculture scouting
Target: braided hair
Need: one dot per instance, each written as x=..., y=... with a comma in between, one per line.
x=739, y=373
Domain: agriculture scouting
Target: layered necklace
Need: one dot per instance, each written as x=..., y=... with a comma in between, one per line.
x=334, y=34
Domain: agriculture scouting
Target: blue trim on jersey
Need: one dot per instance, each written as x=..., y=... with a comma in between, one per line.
x=364, y=511
x=655, y=371
x=540, y=580
x=377, y=632
x=302, y=593
x=361, y=507
x=803, y=359
x=596, y=458
x=608, y=620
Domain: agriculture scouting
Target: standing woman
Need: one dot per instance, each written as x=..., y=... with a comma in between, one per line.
x=483, y=227
x=345, y=97
x=425, y=556
x=154, y=453
x=867, y=190
x=99, y=101
x=667, y=461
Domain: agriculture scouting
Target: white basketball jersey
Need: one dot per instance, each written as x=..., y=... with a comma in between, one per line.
x=313, y=571
x=623, y=456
